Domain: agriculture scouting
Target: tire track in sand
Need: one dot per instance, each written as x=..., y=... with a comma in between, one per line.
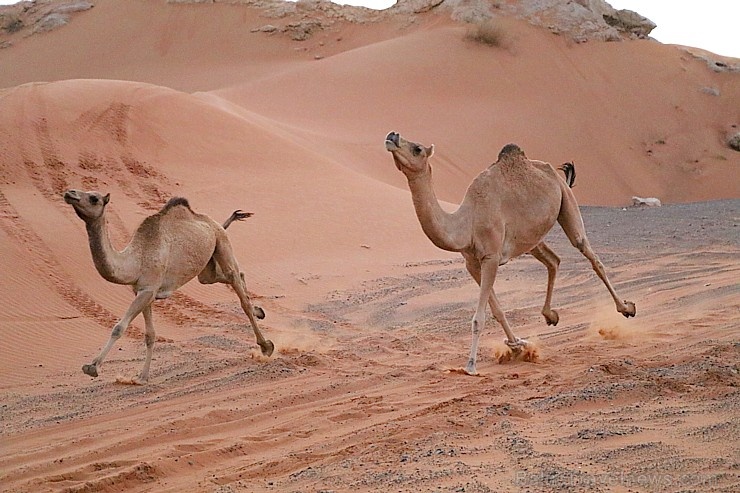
x=139, y=181
x=17, y=229
x=147, y=187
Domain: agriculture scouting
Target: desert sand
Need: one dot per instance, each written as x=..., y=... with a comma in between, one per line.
x=147, y=100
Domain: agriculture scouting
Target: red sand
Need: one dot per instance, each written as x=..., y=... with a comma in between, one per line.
x=147, y=100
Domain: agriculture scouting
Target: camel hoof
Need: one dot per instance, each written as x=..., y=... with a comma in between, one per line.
x=267, y=347
x=258, y=312
x=552, y=318
x=630, y=311
x=91, y=370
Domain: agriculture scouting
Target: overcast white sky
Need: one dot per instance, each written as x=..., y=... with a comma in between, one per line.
x=708, y=24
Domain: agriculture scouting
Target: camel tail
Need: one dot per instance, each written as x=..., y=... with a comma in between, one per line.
x=237, y=215
x=570, y=173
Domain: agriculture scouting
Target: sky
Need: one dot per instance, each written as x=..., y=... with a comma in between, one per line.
x=708, y=24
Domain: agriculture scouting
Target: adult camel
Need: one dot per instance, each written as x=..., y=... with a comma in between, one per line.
x=507, y=211
x=167, y=250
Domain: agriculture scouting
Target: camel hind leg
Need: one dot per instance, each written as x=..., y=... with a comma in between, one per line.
x=224, y=257
x=550, y=259
x=572, y=223
x=212, y=274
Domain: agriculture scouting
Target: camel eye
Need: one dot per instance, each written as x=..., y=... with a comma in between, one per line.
x=416, y=151
x=93, y=200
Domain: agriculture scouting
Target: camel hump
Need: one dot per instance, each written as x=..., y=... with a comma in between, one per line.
x=175, y=201
x=510, y=150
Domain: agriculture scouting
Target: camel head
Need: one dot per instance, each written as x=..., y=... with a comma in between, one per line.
x=88, y=205
x=410, y=158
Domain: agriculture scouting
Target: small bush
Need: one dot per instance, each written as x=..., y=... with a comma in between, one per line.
x=488, y=32
x=11, y=23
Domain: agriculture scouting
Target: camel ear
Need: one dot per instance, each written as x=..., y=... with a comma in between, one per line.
x=106, y=199
x=430, y=151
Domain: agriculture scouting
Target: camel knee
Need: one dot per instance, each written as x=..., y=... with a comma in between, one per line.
x=477, y=324
x=555, y=261
x=580, y=244
x=117, y=331
x=149, y=340
x=232, y=276
x=585, y=248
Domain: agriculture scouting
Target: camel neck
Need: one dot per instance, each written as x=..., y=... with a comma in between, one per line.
x=107, y=260
x=440, y=227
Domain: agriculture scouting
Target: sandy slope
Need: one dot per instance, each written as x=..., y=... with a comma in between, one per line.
x=367, y=315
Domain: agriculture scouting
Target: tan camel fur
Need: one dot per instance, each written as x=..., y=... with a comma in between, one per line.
x=167, y=250
x=507, y=211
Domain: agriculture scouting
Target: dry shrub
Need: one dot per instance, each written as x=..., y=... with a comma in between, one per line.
x=488, y=32
x=11, y=22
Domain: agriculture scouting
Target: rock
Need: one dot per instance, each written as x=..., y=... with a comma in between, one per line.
x=68, y=8
x=631, y=22
x=645, y=202
x=50, y=21
x=415, y=6
x=582, y=20
x=267, y=28
x=301, y=31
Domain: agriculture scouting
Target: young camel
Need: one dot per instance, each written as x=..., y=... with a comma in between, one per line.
x=507, y=211
x=168, y=249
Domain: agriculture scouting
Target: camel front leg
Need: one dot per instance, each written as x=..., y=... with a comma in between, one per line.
x=474, y=268
x=143, y=299
x=486, y=270
x=543, y=253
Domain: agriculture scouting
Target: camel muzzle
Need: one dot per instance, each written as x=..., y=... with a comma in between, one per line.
x=71, y=196
x=392, y=141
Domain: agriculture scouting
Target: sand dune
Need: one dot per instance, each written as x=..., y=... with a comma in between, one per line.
x=149, y=100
